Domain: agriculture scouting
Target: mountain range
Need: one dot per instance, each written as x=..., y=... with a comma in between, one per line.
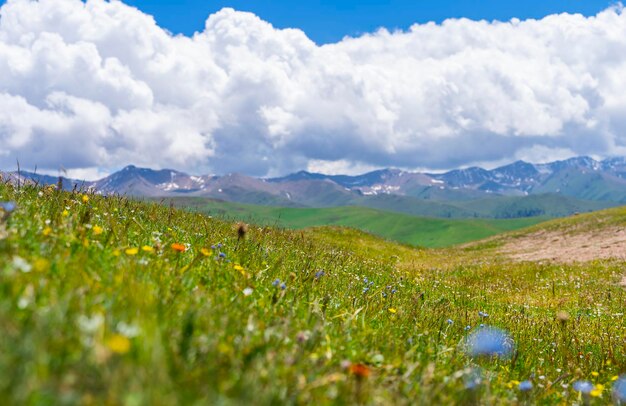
x=520, y=189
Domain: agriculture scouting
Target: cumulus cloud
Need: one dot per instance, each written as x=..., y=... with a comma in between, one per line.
x=95, y=85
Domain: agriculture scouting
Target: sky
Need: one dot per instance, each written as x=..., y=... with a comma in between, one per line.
x=94, y=86
x=331, y=20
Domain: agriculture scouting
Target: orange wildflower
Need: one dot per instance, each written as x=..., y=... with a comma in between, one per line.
x=179, y=247
x=360, y=370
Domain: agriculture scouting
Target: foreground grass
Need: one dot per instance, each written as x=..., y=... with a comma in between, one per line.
x=404, y=228
x=116, y=301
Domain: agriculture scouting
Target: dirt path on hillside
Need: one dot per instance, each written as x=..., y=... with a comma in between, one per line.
x=566, y=247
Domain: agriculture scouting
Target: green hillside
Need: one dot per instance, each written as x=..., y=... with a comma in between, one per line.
x=548, y=204
x=115, y=301
x=420, y=231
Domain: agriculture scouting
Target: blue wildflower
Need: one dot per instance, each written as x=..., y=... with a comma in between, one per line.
x=222, y=255
x=525, y=386
x=365, y=290
x=483, y=315
x=283, y=286
x=364, y=280
x=220, y=245
x=276, y=283
x=489, y=341
x=319, y=274
x=8, y=207
x=473, y=379
x=384, y=294
x=584, y=387
x=213, y=247
x=619, y=390
x=393, y=291
x=467, y=328
x=449, y=321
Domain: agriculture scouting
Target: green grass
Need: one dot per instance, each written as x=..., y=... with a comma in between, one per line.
x=418, y=231
x=89, y=317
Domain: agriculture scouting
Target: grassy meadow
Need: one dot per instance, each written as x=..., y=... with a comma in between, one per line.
x=420, y=231
x=114, y=301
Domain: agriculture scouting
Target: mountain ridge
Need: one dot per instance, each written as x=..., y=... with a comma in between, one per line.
x=584, y=183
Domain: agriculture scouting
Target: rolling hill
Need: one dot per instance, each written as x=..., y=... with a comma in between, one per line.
x=418, y=231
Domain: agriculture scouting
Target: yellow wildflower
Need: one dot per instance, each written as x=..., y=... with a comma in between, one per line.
x=205, y=252
x=46, y=231
x=238, y=267
x=595, y=374
x=132, y=251
x=597, y=391
x=97, y=230
x=65, y=213
x=85, y=198
x=614, y=378
x=512, y=384
x=118, y=344
x=116, y=253
x=392, y=310
x=41, y=265
x=147, y=248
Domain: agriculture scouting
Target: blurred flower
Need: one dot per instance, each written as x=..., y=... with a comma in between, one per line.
x=450, y=321
x=90, y=324
x=619, y=390
x=46, y=231
x=178, y=247
x=584, y=387
x=118, y=344
x=276, y=283
x=21, y=264
x=147, y=248
x=85, y=198
x=360, y=370
x=303, y=336
x=97, y=230
x=467, y=328
x=8, y=207
x=392, y=310
x=283, y=286
x=247, y=291
x=132, y=251
x=128, y=330
x=562, y=316
x=597, y=390
x=595, y=374
x=221, y=255
x=525, y=386
x=489, y=341
x=483, y=315
x=473, y=379
x=205, y=252
x=319, y=274
x=365, y=290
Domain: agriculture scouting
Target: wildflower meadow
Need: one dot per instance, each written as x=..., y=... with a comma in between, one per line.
x=107, y=300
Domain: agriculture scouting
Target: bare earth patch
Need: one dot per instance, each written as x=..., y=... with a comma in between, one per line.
x=568, y=247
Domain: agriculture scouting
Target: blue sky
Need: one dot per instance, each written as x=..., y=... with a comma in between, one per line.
x=99, y=87
x=328, y=21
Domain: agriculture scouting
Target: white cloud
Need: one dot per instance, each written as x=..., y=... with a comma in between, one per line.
x=94, y=86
